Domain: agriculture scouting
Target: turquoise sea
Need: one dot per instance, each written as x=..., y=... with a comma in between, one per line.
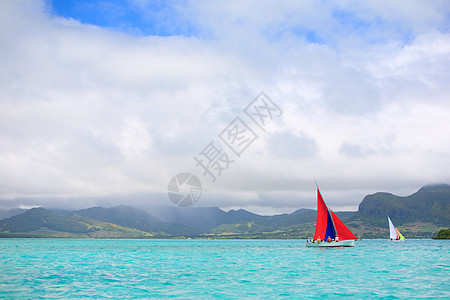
x=203, y=269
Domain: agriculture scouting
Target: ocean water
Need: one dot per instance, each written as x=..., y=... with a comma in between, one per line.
x=230, y=269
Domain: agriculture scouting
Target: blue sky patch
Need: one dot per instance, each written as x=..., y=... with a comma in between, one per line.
x=156, y=17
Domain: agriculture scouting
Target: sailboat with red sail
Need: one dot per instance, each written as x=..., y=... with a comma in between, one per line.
x=330, y=230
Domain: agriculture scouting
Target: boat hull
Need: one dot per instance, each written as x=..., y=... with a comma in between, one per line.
x=348, y=243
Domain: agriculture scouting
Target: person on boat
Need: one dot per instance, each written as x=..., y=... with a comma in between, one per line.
x=336, y=239
x=329, y=240
x=318, y=239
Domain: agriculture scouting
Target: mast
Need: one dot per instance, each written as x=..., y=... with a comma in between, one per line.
x=316, y=185
x=322, y=216
x=329, y=213
x=328, y=216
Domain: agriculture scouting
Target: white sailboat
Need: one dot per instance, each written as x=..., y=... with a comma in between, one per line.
x=394, y=234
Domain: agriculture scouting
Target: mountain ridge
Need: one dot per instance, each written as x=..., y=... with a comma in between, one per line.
x=421, y=214
x=41, y=222
x=131, y=217
x=429, y=203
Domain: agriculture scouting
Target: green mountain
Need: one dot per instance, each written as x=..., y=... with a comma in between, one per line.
x=443, y=234
x=5, y=213
x=203, y=219
x=421, y=214
x=299, y=224
x=429, y=204
x=40, y=222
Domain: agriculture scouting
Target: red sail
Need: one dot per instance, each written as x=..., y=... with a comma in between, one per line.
x=322, y=214
x=342, y=231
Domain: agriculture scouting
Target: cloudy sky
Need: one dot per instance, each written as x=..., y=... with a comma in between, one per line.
x=103, y=102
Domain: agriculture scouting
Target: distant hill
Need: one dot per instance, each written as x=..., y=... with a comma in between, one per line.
x=203, y=219
x=212, y=221
x=40, y=222
x=131, y=217
x=418, y=215
x=5, y=213
x=278, y=226
x=295, y=225
x=429, y=204
x=421, y=214
x=129, y=222
x=443, y=234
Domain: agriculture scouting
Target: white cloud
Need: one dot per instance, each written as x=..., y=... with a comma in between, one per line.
x=86, y=111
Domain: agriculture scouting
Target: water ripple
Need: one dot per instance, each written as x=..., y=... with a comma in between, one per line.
x=192, y=269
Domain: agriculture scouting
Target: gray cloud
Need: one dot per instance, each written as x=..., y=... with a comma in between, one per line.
x=87, y=112
x=350, y=149
x=284, y=145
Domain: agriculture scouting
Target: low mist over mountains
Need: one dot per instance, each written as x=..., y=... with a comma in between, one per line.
x=421, y=214
x=127, y=216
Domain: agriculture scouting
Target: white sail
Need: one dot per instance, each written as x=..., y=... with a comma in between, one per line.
x=392, y=232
